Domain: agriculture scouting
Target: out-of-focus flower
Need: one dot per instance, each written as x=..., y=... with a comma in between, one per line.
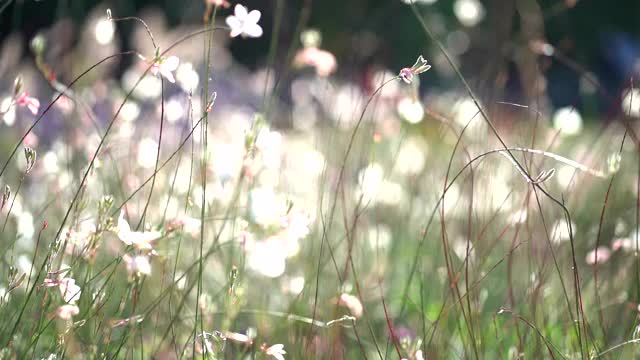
x=189, y=224
x=323, y=61
x=69, y=290
x=622, y=244
x=29, y=102
x=418, y=68
x=141, y=240
x=277, y=351
x=352, y=303
x=295, y=225
x=239, y=338
x=568, y=121
x=137, y=265
x=244, y=22
x=631, y=103
x=601, y=254
x=410, y=110
x=67, y=311
x=219, y=3
x=268, y=257
x=469, y=12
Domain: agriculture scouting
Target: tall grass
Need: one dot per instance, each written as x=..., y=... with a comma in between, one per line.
x=222, y=234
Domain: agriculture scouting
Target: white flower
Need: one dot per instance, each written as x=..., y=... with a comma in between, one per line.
x=140, y=239
x=567, y=121
x=244, y=22
x=277, y=351
x=137, y=265
x=165, y=67
x=69, y=290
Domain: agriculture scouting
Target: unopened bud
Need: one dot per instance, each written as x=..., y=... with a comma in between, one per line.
x=211, y=101
x=17, y=86
x=38, y=44
x=5, y=195
x=30, y=155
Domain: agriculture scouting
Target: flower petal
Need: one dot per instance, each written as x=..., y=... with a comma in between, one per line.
x=235, y=31
x=253, y=16
x=233, y=22
x=168, y=75
x=240, y=12
x=253, y=30
x=171, y=63
x=123, y=225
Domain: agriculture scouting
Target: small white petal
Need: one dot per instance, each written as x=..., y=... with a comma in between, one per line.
x=233, y=22
x=171, y=63
x=253, y=30
x=240, y=12
x=168, y=75
x=123, y=225
x=253, y=16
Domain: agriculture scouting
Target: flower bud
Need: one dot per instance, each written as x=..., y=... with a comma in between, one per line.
x=30, y=155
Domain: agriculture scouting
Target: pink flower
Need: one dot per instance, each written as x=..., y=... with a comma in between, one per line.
x=30, y=102
x=165, y=66
x=277, y=351
x=218, y=3
x=418, y=68
x=602, y=253
x=622, y=244
x=67, y=311
x=323, y=61
x=352, y=303
x=244, y=22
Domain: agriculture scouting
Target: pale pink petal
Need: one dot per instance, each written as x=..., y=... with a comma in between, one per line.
x=253, y=30
x=171, y=63
x=66, y=312
x=240, y=12
x=253, y=16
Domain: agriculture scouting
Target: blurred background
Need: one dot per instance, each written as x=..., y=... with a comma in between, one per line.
x=596, y=44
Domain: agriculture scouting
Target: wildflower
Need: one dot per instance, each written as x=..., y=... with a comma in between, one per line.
x=141, y=240
x=67, y=311
x=622, y=244
x=165, y=67
x=352, y=303
x=277, y=351
x=137, y=265
x=244, y=22
x=69, y=290
x=567, y=121
x=600, y=254
x=219, y=3
x=323, y=61
x=189, y=224
x=31, y=103
x=418, y=68
x=239, y=338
